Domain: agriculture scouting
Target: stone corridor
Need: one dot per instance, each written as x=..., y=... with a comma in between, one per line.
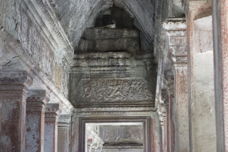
x=113, y=76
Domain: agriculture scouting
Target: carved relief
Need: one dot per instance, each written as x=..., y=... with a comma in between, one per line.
x=107, y=90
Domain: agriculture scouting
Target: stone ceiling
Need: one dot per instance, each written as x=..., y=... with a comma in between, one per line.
x=76, y=15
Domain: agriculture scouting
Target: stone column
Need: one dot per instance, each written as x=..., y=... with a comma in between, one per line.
x=75, y=132
x=35, y=120
x=163, y=124
x=168, y=96
x=13, y=88
x=51, y=128
x=220, y=19
x=176, y=32
x=64, y=133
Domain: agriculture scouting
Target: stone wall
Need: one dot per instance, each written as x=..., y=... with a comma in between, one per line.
x=35, y=42
x=116, y=74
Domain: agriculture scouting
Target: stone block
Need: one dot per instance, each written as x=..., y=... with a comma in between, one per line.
x=121, y=44
x=108, y=33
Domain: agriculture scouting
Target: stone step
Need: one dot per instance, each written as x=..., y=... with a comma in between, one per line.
x=109, y=33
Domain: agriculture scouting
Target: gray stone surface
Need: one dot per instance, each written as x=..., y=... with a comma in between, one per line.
x=202, y=88
x=109, y=33
x=131, y=135
x=26, y=43
x=107, y=39
x=114, y=73
x=120, y=44
x=85, y=12
x=129, y=149
x=112, y=69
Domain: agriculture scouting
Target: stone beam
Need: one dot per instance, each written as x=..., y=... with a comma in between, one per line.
x=13, y=88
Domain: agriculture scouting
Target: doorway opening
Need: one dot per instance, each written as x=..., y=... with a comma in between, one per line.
x=114, y=135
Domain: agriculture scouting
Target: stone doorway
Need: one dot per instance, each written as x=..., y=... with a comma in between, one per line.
x=115, y=134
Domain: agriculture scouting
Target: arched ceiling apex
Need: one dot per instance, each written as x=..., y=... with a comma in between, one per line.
x=77, y=15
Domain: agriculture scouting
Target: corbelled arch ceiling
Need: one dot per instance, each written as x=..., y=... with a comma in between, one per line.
x=77, y=15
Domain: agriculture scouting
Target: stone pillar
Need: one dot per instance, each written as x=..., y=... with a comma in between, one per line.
x=168, y=96
x=176, y=32
x=64, y=123
x=13, y=88
x=35, y=120
x=75, y=132
x=51, y=128
x=220, y=19
x=163, y=124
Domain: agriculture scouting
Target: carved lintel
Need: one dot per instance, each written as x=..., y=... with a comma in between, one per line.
x=15, y=77
x=118, y=90
x=51, y=112
x=36, y=100
x=64, y=120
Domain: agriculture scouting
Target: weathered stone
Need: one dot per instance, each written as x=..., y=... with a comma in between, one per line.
x=177, y=28
x=220, y=31
x=51, y=128
x=13, y=88
x=108, y=33
x=64, y=123
x=121, y=44
x=202, y=86
x=35, y=120
x=113, y=91
x=112, y=76
x=86, y=11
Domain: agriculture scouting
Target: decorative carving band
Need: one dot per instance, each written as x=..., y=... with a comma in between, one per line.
x=114, y=90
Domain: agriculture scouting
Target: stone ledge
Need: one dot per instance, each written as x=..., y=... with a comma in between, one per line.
x=17, y=77
x=135, y=104
x=36, y=95
x=64, y=120
x=108, y=33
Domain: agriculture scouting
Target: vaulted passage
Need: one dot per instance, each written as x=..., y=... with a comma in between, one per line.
x=113, y=76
